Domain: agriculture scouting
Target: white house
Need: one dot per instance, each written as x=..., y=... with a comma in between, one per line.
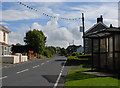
x=80, y=49
x=5, y=48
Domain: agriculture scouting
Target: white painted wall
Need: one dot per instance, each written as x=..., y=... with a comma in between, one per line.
x=1, y=36
x=10, y=59
x=13, y=59
x=80, y=49
x=0, y=49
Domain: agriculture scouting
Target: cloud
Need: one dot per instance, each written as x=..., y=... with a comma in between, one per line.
x=55, y=33
x=61, y=0
x=113, y=21
x=18, y=35
x=13, y=15
x=94, y=10
x=15, y=38
x=4, y=23
x=60, y=34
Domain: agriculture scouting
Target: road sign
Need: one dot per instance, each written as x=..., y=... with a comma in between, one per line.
x=31, y=52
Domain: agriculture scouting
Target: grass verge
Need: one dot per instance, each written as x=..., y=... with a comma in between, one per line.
x=77, y=79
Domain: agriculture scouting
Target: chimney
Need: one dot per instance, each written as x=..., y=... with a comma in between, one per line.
x=111, y=26
x=100, y=19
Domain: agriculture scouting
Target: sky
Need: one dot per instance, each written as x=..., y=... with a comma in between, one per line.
x=60, y=33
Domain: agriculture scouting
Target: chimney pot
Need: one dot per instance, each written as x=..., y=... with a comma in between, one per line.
x=111, y=26
x=100, y=19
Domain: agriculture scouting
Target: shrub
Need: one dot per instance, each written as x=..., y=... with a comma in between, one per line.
x=81, y=53
x=41, y=56
x=47, y=53
x=75, y=54
x=71, y=57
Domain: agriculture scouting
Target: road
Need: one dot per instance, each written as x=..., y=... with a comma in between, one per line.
x=39, y=73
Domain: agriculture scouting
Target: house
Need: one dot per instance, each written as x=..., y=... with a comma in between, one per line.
x=73, y=48
x=80, y=49
x=98, y=26
x=105, y=48
x=5, y=48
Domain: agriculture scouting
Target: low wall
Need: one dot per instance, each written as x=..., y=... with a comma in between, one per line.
x=13, y=59
x=24, y=58
x=10, y=59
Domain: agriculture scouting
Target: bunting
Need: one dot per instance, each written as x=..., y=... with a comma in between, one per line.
x=63, y=18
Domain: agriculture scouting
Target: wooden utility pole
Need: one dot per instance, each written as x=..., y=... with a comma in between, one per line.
x=83, y=31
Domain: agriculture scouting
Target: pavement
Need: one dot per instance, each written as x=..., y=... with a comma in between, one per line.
x=38, y=73
x=102, y=74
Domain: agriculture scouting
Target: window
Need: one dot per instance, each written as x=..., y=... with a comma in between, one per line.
x=4, y=36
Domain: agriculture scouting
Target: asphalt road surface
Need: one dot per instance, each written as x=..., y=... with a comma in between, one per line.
x=39, y=73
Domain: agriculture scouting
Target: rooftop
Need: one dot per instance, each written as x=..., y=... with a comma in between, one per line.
x=103, y=33
x=4, y=29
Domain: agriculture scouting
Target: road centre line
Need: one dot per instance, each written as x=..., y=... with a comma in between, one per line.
x=22, y=71
x=48, y=61
x=42, y=63
x=4, y=77
x=36, y=66
x=55, y=85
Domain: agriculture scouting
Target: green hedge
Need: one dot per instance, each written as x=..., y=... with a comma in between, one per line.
x=75, y=54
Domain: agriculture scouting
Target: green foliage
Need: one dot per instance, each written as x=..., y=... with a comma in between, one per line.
x=63, y=52
x=35, y=40
x=72, y=57
x=75, y=54
x=84, y=56
x=49, y=51
x=81, y=53
x=41, y=56
x=77, y=78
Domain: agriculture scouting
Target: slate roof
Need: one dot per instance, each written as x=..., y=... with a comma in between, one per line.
x=96, y=27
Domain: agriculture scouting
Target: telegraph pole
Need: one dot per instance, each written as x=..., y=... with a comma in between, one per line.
x=83, y=31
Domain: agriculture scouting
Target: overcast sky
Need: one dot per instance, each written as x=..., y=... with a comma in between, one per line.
x=59, y=32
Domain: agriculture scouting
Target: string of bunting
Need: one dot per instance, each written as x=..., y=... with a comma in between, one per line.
x=47, y=14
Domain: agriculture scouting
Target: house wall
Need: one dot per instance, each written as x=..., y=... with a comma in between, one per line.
x=2, y=36
x=4, y=48
x=87, y=46
x=0, y=49
x=80, y=49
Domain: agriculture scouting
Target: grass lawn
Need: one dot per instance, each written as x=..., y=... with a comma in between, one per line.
x=77, y=78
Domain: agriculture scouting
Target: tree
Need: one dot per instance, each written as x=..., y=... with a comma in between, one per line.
x=63, y=51
x=50, y=51
x=36, y=41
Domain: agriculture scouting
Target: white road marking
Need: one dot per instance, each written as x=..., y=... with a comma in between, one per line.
x=42, y=63
x=55, y=85
x=22, y=71
x=36, y=66
x=3, y=77
x=48, y=61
